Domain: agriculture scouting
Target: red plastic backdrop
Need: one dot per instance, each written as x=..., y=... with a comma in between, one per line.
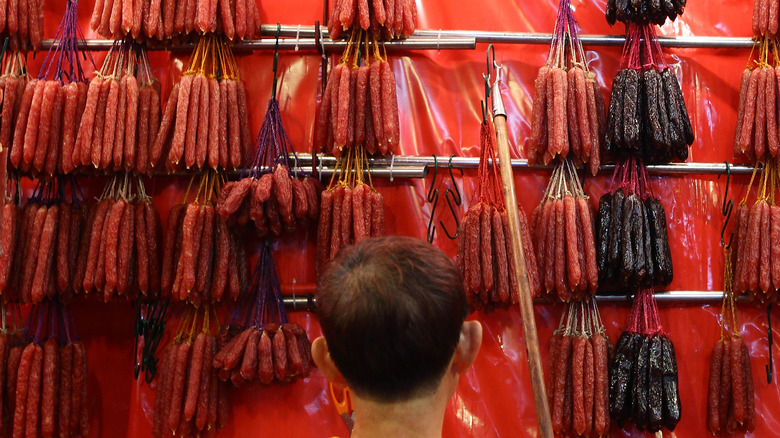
x=439, y=95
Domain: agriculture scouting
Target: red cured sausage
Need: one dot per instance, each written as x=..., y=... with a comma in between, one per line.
x=205, y=382
x=112, y=244
x=168, y=262
x=169, y=117
x=774, y=239
x=746, y=137
x=713, y=396
x=204, y=113
x=378, y=214
x=193, y=377
x=591, y=270
x=501, y=258
x=140, y=119
x=770, y=108
x=125, y=250
x=8, y=240
x=33, y=393
x=206, y=251
x=33, y=123
x=52, y=146
x=578, y=388
x=538, y=115
x=341, y=113
x=375, y=85
x=300, y=200
x=280, y=355
x=324, y=227
x=109, y=123
x=180, y=127
x=31, y=249
x=346, y=218
x=164, y=384
x=750, y=407
x=588, y=386
x=572, y=254
x=96, y=148
x=560, y=248
x=21, y=390
x=219, y=279
x=14, y=360
x=243, y=118
x=20, y=127
x=45, y=254
x=743, y=88
x=739, y=251
x=336, y=235
x=486, y=247
x=65, y=387
x=759, y=131
x=391, y=126
x=248, y=368
x=265, y=366
x=11, y=102
x=575, y=136
x=144, y=150
x=141, y=247
x=564, y=355
x=764, y=270
x=50, y=387
x=600, y=393
x=41, y=145
x=737, y=379
x=753, y=249
x=234, y=135
x=725, y=384
x=190, y=147
x=358, y=212
x=177, y=391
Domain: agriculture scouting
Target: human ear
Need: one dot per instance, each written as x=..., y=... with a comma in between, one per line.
x=321, y=356
x=468, y=346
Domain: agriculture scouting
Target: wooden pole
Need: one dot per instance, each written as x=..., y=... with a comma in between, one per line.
x=518, y=259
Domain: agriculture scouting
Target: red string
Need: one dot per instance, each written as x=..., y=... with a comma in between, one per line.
x=490, y=185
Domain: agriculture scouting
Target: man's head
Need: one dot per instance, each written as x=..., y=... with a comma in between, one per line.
x=392, y=312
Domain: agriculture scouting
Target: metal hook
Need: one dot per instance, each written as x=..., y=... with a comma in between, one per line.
x=433, y=181
x=770, y=341
x=454, y=216
x=726, y=209
x=276, y=58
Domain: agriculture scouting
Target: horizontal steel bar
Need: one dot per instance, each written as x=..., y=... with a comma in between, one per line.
x=301, y=44
x=397, y=163
x=713, y=42
x=308, y=302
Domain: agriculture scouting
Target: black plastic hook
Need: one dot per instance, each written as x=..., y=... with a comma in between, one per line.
x=452, y=196
x=433, y=197
x=726, y=209
x=276, y=58
x=770, y=341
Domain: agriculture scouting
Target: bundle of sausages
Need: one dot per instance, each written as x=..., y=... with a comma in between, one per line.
x=268, y=348
x=766, y=17
x=38, y=247
x=118, y=252
x=45, y=380
x=756, y=247
x=562, y=228
x=206, y=117
x=384, y=19
x=730, y=395
x=578, y=384
x=204, y=260
x=190, y=399
x=12, y=83
x=756, y=134
x=270, y=353
x=484, y=245
x=121, y=116
x=350, y=209
x=631, y=237
x=568, y=115
x=273, y=202
x=644, y=11
x=647, y=115
x=730, y=399
x=22, y=23
x=270, y=195
x=643, y=376
x=163, y=20
x=359, y=107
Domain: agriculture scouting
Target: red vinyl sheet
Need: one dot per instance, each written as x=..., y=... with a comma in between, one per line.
x=438, y=96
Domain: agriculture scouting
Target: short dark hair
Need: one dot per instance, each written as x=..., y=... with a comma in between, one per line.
x=391, y=309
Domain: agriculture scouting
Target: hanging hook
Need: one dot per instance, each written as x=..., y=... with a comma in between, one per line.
x=452, y=196
x=486, y=77
x=276, y=58
x=770, y=341
x=726, y=209
x=433, y=197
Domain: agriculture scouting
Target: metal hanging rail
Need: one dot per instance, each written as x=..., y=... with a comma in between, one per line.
x=413, y=43
x=710, y=42
x=416, y=166
x=308, y=302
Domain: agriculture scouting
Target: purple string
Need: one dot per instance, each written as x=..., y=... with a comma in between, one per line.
x=273, y=145
x=65, y=49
